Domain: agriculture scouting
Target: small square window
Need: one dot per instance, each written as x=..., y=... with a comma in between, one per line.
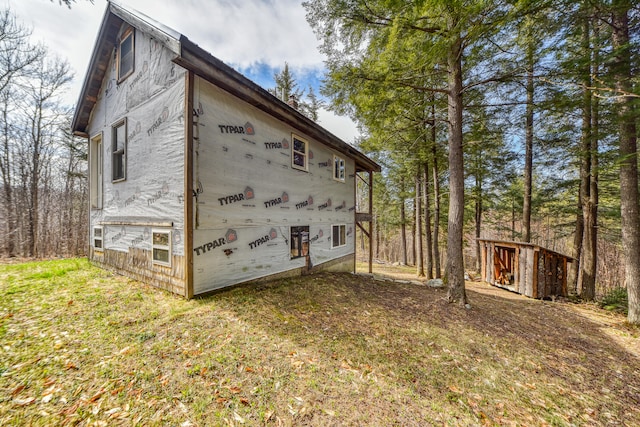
x=97, y=238
x=299, y=241
x=126, y=55
x=338, y=168
x=119, y=151
x=299, y=153
x=161, y=247
x=338, y=235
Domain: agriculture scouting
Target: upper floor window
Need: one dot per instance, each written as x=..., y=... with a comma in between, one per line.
x=338, y=168
x=125, y=55
x=119, y=151
x=299, y=153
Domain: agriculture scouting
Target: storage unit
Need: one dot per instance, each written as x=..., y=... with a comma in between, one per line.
x=525, y=268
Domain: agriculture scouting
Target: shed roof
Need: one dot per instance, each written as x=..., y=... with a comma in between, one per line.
x=193, y=58
x=509, y=243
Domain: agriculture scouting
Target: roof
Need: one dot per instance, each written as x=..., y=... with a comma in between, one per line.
x=508, y=243
x=193, y=58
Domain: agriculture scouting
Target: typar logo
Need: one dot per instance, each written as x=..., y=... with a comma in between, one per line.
x=246, y=129
x=305, y=204
x=248, y=193
x=234, y=198
x=264, y=239
x=324, y=164
x=317, y=236
x=160, y=120
x=277, y=201
x=284, y=145
x=136, y=131
x=342, y=206
x=325, y=205
x=230, y=237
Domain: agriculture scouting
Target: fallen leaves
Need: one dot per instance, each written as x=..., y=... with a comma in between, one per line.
x=24, y=401
x=238, y=366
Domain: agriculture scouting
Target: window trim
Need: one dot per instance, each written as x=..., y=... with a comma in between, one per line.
x=100, y=239
x=295, y=137
x=96, y=172
x=167, y=247
x=301, y=249
x=343, y=234
x=115, y=152
x=341, y=178
x=125, y=35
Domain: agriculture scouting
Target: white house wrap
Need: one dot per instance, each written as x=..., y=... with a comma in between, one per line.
x=199, y=178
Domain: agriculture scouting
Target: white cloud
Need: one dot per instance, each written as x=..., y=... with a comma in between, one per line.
x=341, y=126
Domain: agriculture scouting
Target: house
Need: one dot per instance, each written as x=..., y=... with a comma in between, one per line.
x=199, y=178
x=525, y=268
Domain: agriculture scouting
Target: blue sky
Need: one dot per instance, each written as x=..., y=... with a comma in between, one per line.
x=256, y=37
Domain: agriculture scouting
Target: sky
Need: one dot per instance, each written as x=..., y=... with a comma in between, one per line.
x=256, y=37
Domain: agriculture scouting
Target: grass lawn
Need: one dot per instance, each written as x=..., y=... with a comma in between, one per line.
x=81, y=346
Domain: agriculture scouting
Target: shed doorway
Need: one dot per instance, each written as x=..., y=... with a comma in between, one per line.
x=504, y=261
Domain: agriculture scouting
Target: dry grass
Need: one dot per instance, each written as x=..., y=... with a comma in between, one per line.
x=79, y=346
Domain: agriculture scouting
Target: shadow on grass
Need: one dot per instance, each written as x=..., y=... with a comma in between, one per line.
x=509, y=358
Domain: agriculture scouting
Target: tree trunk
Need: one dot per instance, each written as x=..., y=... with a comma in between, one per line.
x=7, y=184
x=455, y=261
x=377, y=224
x=418, y=235
x=588, y=176
x=414, y=258
x=528, y=157
x=427, y=224
x=436, y=196
x=403, y=223
x=627, y=117
x=478, y=217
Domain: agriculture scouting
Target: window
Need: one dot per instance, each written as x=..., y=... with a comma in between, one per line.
x=299, y=153
x=125, y=55
x=95, y=172
x=299, y=241
x=338, y=168
x=119, y=151
x=97, y=238
x=161, y=247
x=338, y=236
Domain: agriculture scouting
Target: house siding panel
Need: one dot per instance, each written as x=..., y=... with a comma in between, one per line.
x=152, y=102
x=247, y=189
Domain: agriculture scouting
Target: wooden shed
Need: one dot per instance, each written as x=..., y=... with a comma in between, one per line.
x=525, y=268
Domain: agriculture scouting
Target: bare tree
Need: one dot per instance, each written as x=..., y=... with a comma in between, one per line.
x=17, y=58
x=41, y=114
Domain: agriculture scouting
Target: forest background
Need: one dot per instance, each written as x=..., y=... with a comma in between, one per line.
x=511, y=120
